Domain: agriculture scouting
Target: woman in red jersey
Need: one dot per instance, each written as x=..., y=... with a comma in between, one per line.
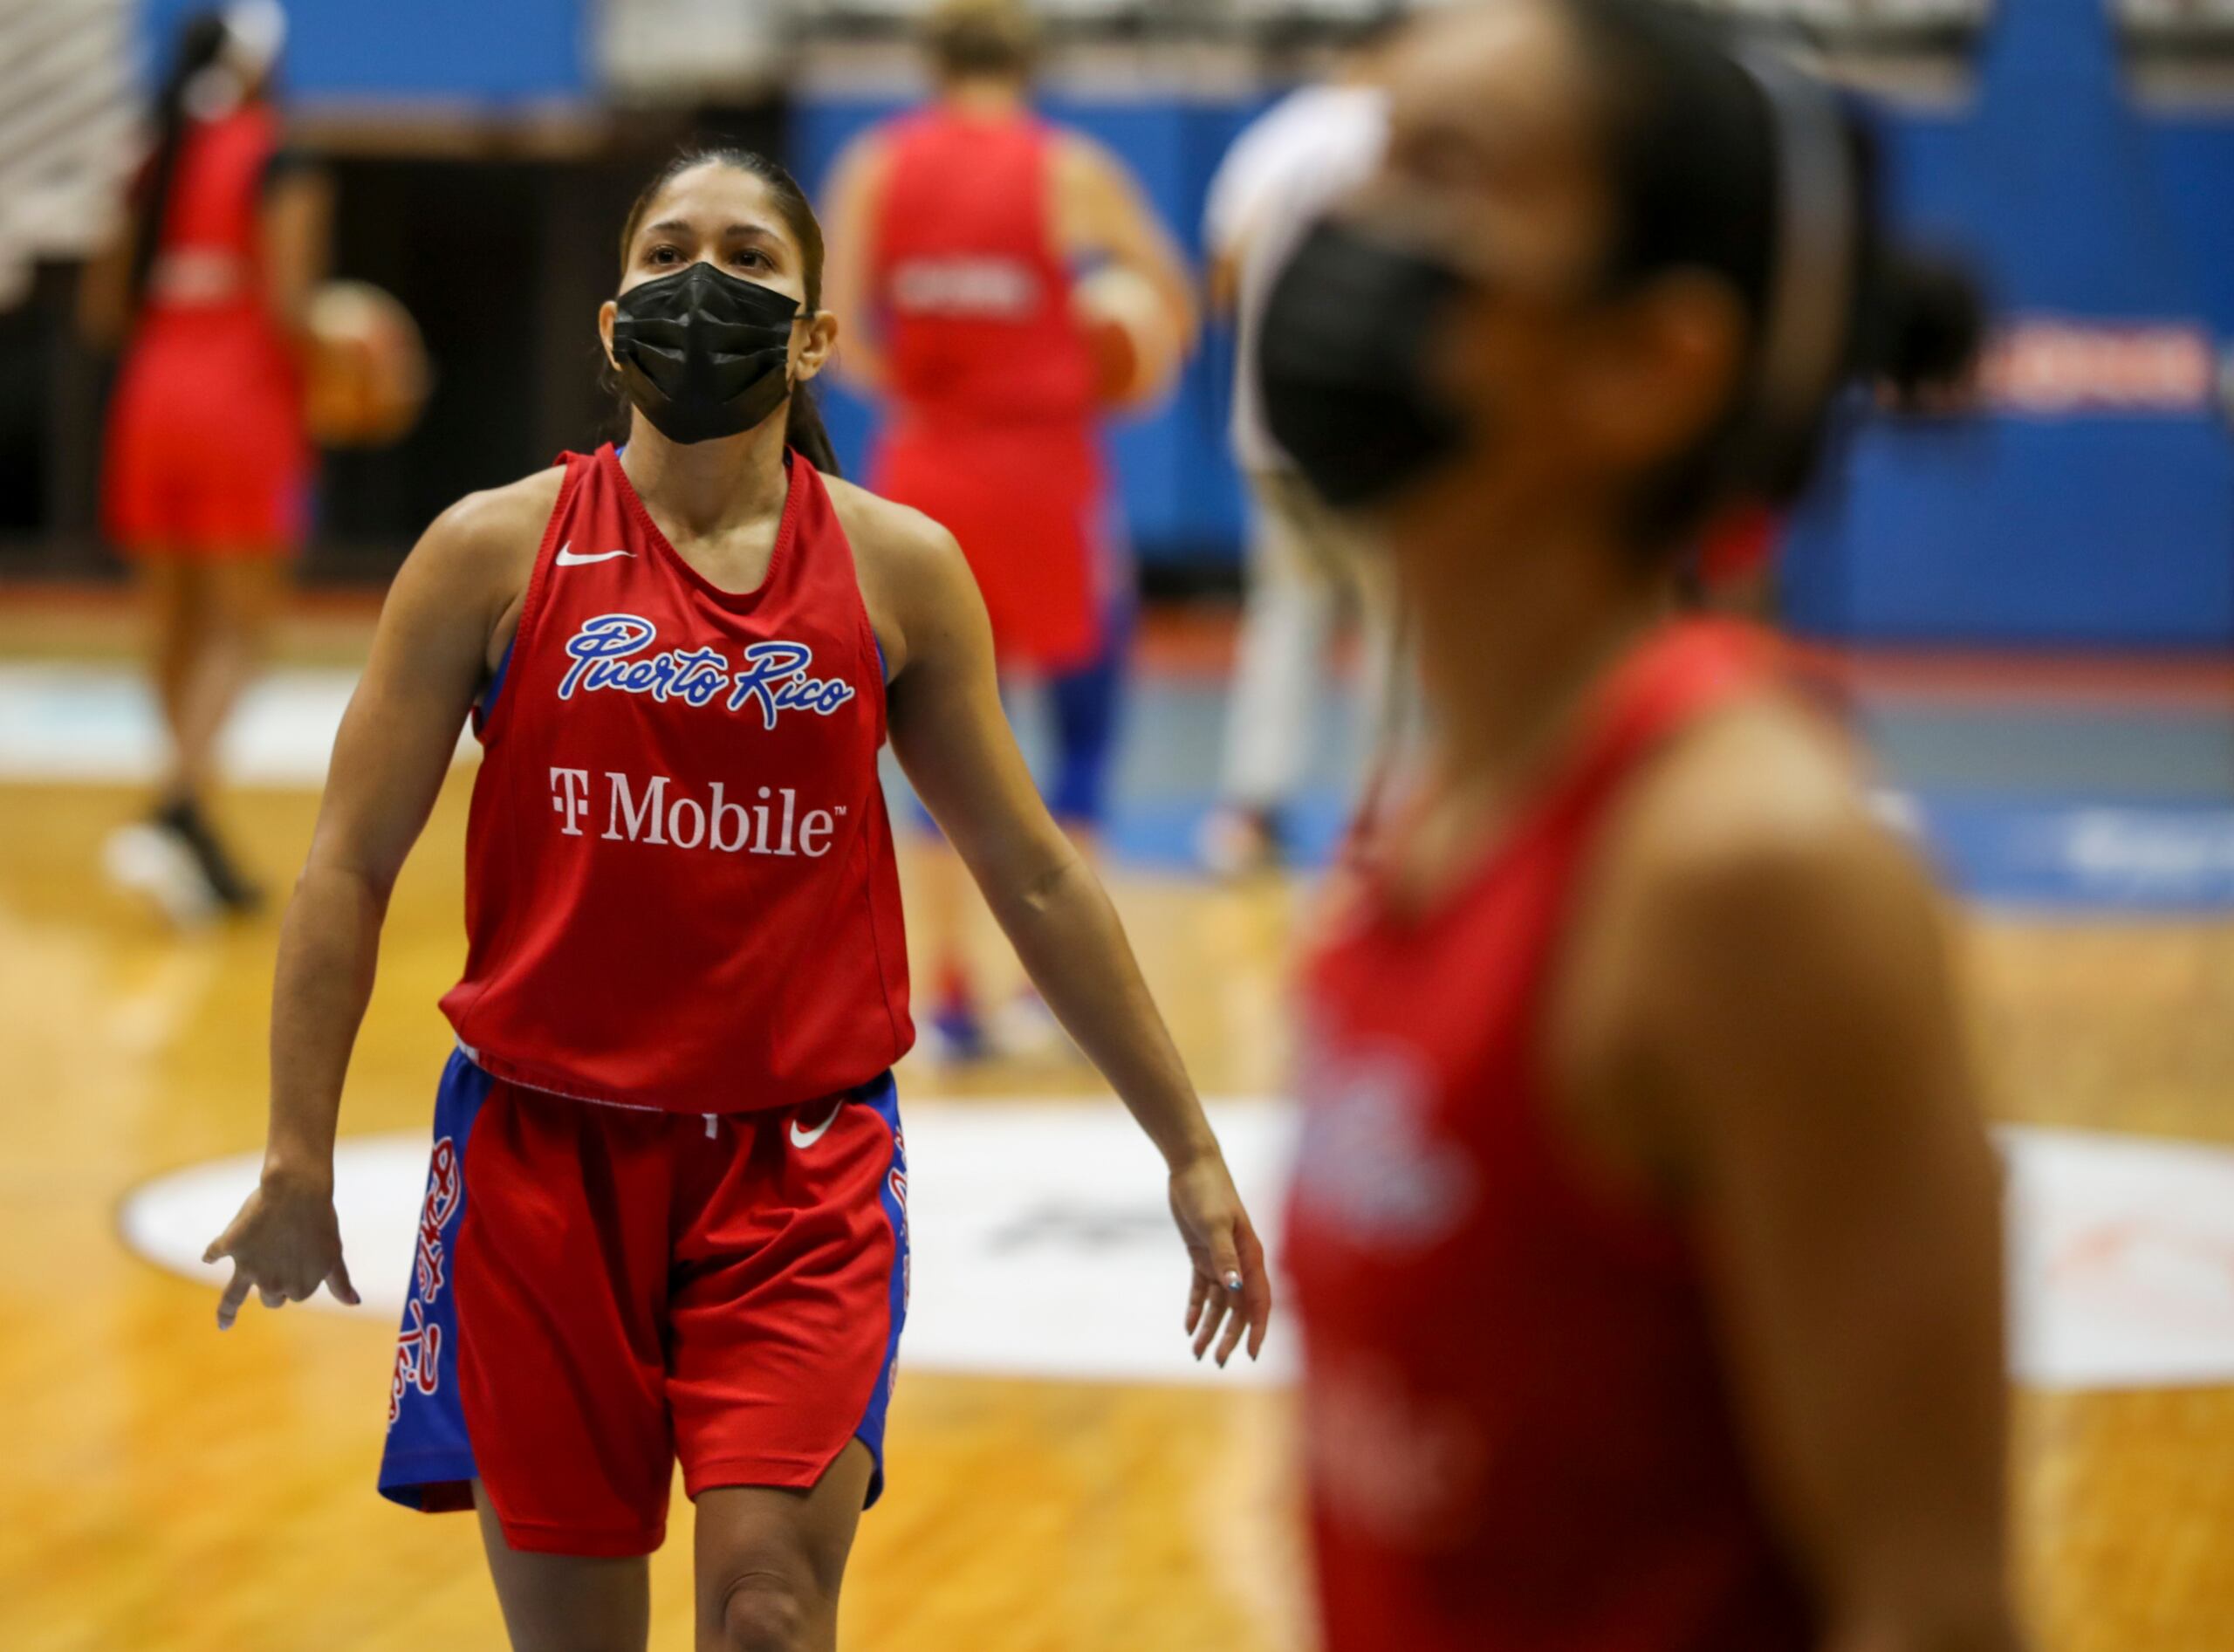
x=207, y=477
x=1645, y=1232
x=957, y=231
x=666, y=1215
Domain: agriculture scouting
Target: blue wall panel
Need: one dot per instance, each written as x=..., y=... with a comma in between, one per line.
x=481, y=50
x=2019, y=526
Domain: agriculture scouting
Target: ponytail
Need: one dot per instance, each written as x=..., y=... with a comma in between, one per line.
x=805, y=434
x=202, y=41
x=1724, y=161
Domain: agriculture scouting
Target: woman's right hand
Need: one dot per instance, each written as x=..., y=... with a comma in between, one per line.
x=285, y=1244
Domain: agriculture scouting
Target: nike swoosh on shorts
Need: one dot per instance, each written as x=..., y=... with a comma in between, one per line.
x=808, y=1138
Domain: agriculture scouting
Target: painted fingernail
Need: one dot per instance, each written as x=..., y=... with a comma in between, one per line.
x=1233, y=1282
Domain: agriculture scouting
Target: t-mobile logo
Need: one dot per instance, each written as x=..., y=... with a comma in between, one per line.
x=769, y=821
x=570, y=795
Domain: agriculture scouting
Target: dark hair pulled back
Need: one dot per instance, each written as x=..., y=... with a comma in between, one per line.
x=202, y=40
x=1694, y=147
x=803, y=431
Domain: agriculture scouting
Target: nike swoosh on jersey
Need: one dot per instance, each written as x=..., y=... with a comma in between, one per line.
x=808, y=1138
x=568, y=560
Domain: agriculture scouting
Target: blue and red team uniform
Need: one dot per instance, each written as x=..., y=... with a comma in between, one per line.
x=667, y=1212
x=991, y=425
x=1522, y=1432
x=208, y=454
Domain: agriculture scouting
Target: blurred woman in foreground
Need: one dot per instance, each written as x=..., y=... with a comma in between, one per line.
x=1645, y=1229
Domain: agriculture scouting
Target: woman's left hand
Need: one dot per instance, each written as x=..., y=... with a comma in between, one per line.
x=1231, y=1287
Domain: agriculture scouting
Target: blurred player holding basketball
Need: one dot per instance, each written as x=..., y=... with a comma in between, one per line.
x=208, y=471
x=957, y=234
x=1645, y=1232
x=666, y=1215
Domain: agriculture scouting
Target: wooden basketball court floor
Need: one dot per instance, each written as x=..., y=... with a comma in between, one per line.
x=163, y=1487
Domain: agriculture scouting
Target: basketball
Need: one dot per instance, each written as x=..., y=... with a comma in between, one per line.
x=1130, y=332
x=369, y=376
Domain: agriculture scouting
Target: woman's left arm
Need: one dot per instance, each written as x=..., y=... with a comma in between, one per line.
x=951, y=737
x=296, y=229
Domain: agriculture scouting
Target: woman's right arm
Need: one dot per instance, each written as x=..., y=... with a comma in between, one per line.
x=297, y=233
x=855, y=185
x=429, y=658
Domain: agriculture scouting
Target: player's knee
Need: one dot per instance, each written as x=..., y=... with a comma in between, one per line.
x=764, y=1612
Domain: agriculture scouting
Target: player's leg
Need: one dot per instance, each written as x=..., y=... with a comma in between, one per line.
x=170, y=600
x=237, y=600
x=241, y=598
x=529, y=1377
x=942, y=910
x=1286, y=619
x=154, y=857
x=1087, y=706
x=770, y=1561
x=565, y=1602
x=790, y=1295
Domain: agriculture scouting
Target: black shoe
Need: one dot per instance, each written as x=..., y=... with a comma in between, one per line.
x=183, y=819
x=1240, y=841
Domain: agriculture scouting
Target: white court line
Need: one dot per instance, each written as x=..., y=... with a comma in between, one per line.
x=91, y=723
x=1042, y=1245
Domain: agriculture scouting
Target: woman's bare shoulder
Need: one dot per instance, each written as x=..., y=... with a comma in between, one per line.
x=1756, y=835
x=490, y=538
x=889, y=533
x=914, y=580
x=493, y=518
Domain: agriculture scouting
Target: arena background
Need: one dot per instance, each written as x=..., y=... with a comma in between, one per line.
x=2083, y=155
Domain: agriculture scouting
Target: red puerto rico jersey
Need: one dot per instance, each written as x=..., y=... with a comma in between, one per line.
x=1518, y=1421
x=680, y=887
x=206, y=452
x=972, y=291
x=989, y=420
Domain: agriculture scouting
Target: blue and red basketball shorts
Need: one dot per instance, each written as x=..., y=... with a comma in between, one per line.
x=599, y=1291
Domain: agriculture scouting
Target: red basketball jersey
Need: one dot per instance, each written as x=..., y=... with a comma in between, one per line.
x=680, y=888
x=207, y=451
x=989, y=421
x=1519, y=1424
x=214, y=216
x=969, y=286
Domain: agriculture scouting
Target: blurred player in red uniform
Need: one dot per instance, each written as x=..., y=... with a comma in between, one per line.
x=208, y=472
x=1645, y=1230
x=957, y=234
x=666, y=1210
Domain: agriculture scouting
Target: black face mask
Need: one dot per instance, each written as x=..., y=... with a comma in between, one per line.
x=1342, y=360
x=704, y=353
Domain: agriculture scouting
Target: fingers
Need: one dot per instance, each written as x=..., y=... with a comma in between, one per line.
x=1219, y=1301
x=337, y=1283
x=1234, y=1324
x=1225, y=1255
x=1230, y=1290
x=1198, y=1297
x=1256, y=1289
x=220, y=1247
x=229, y=1304
x=1209, y=1329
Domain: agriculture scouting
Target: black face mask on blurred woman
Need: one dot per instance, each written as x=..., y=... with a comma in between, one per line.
x=1343, y=362
x=704, y=353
